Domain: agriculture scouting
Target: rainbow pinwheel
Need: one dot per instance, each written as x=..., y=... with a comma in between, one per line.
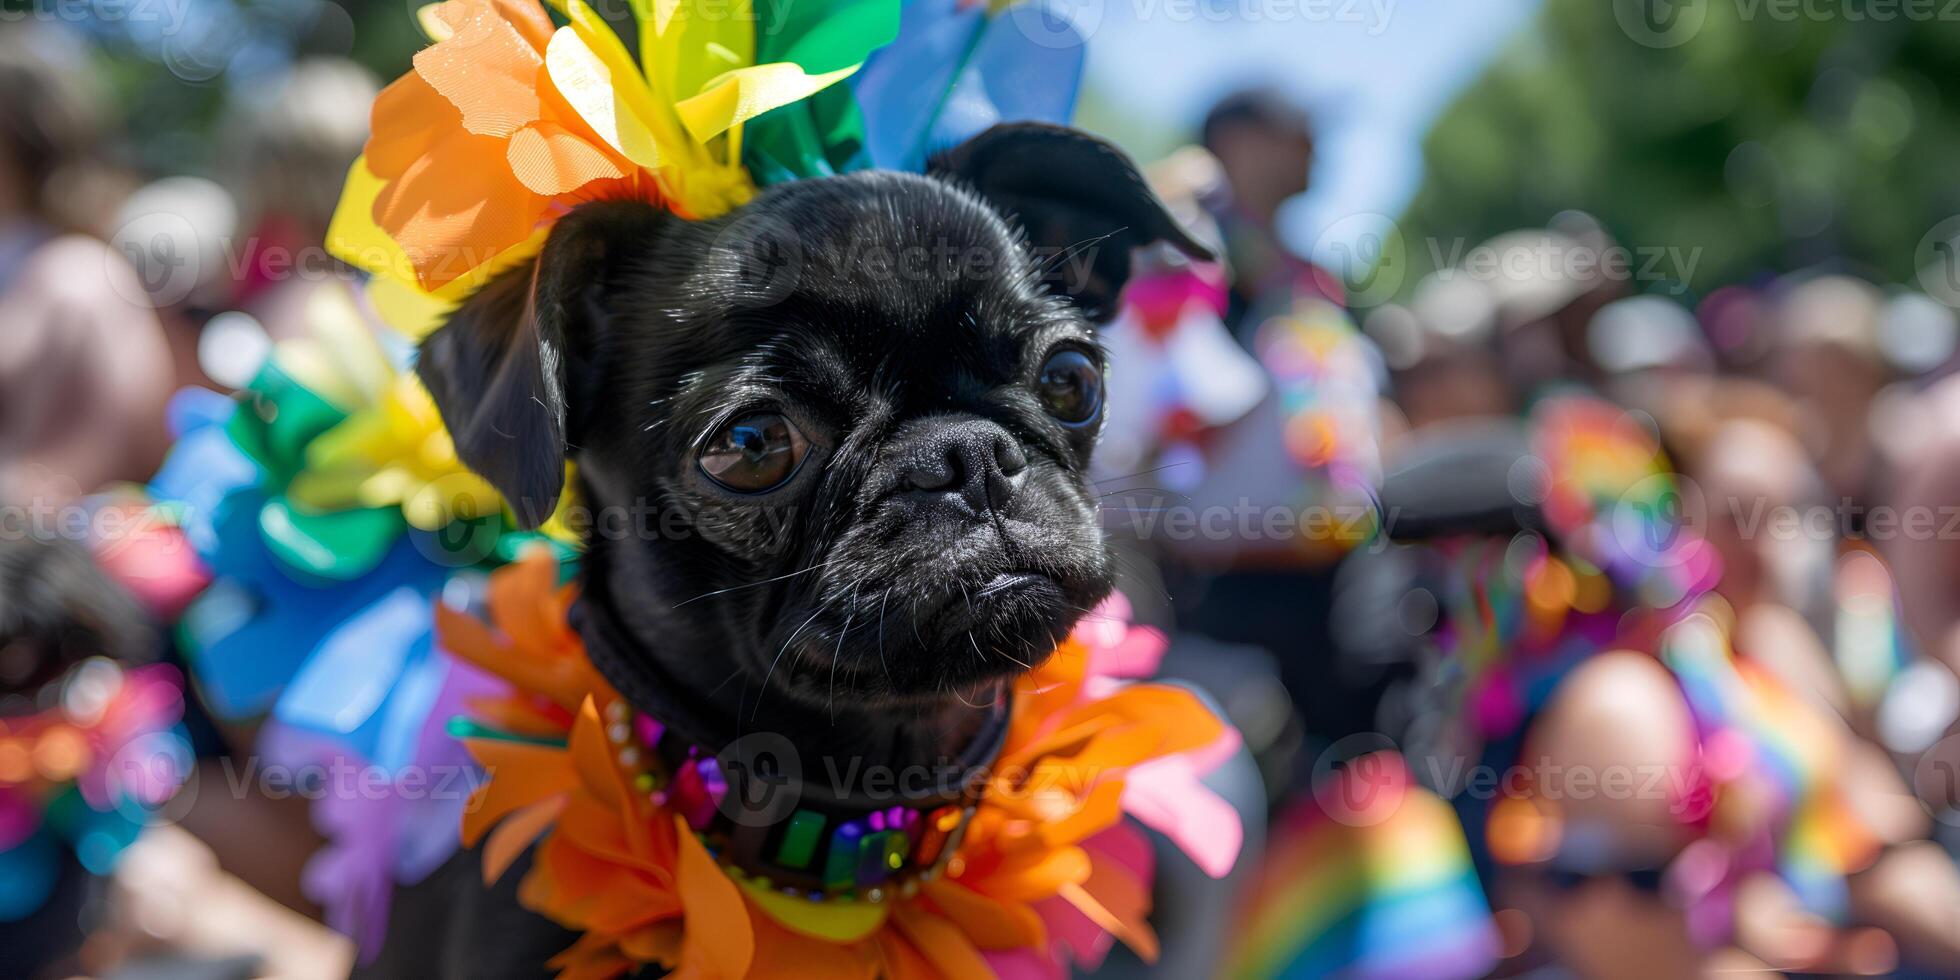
x=507, y=121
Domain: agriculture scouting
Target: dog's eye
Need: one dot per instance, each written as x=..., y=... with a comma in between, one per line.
x=755, y=453
x=1071, y=387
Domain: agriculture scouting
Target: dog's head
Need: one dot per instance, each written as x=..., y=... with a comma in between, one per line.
x=839, y=436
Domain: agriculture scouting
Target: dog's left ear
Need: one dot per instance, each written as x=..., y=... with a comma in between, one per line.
x=1071, y=193
x=499, y=368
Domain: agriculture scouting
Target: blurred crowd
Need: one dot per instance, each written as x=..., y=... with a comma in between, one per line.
x=1575, y=626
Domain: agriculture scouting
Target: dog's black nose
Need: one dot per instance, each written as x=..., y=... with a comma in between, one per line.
x=974, y=460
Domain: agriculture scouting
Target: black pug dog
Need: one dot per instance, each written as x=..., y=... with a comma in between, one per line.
x=835, y=446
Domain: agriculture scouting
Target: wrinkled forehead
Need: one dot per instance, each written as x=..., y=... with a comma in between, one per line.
x=909, y=250
x=848, y=295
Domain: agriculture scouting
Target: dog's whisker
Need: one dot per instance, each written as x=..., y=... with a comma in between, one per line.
x=881, y=640
x=1024, y=665
x=1132, y=476
x=1163, y=490
x=1137, y=574
x=751, y=585
x=779, y=659
x=998, y=689
x=838, y=653
x=724, y=682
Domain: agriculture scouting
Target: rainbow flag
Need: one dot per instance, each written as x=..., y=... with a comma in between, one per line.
x=1369, y=879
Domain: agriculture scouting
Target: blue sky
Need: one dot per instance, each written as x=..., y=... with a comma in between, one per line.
x=1376, y=72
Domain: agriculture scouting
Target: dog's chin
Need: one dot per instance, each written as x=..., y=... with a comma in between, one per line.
x=963, y=649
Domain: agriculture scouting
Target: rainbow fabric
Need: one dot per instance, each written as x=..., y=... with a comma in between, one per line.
x=1760, y=741
x=85, y=774
x=1870, y=643
x=1370, y=878
x=1328, y=379
x=1629, y=573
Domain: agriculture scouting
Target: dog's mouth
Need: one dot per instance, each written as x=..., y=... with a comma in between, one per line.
x=954, y=641
x=995, y=603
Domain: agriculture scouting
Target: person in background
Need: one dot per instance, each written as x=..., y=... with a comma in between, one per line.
x=81, y=708
x=1439, y=352
x=1825, y=352
x=286, y=157
x=84, y=367
x=1263, y=141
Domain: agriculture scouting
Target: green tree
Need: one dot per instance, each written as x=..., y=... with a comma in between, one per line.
x=1753, y=135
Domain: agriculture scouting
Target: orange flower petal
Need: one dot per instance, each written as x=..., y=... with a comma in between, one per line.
x=407, y=118
x=720, y=939
x=457, y=207
x=659, y=943
x=1032, y=875
x=591, y=958
x=550, y=159
x=1135, y=933
x=509, y=840
x=592, y=758
x=519, y=774
x=597, y=828
x=780, y=952
x=488, y=70
x=523, y=599
x=901, y=960
x=991, y=923
x=941, y=943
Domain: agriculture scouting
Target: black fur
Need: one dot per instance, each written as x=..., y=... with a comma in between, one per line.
x=940, y=536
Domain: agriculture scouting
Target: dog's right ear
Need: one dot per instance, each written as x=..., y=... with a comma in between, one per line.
x=497, y=367
x=1074, y=195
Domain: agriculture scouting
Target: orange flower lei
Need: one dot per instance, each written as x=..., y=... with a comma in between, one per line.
x=1037, y=864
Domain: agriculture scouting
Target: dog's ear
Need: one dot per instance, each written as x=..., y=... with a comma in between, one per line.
x=497, y=367
x=1075, y=195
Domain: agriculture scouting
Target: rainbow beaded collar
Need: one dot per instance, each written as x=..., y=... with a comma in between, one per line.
x=828, y=844
x=661, y=853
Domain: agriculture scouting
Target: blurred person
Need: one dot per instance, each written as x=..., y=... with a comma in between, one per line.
x=85, y=747
x=1826, y=353
x=84, y=366
x=1264, y=144
x=1546, y=286
x=1762, y=498
x=1442, y=367
x=175, y=231
x=287, y=153
x=1268, y=443
x=1577, y=634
